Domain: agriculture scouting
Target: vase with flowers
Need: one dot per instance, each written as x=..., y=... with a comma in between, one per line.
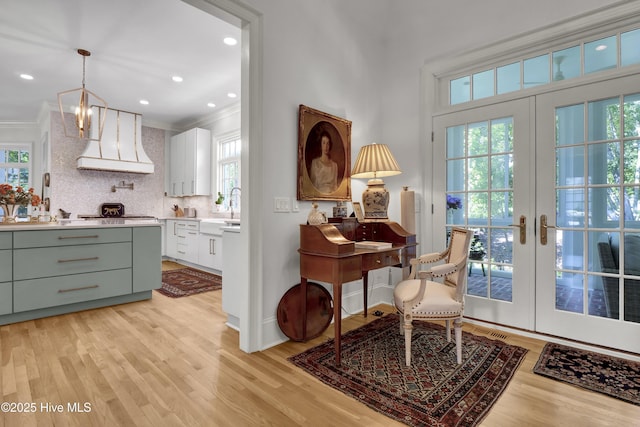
x=11, y=197
x=453, y=203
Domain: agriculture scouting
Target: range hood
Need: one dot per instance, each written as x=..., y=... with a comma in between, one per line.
x=120, y=148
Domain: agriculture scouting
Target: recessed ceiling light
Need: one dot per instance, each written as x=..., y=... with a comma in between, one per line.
x=232, y=95
x=211, y=105
x=230, y=41
x=176, y=79
x=144, y=102
x=26, y=76
x=601, y=47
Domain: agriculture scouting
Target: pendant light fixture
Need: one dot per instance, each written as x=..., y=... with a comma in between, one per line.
x=87, y=108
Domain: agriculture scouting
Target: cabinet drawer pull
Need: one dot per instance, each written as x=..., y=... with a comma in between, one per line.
x=93, y=258
x=61, y=291
x=94, y=236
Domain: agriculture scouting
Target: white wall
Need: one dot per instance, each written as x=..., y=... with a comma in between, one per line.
x=361, y=60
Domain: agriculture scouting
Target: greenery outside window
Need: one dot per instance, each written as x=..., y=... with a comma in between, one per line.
x=229, y=169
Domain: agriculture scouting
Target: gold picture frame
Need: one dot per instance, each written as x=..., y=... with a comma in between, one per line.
x=323, y=174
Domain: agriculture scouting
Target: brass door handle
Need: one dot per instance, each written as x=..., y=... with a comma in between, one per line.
x=543, y=229
x=523, y=229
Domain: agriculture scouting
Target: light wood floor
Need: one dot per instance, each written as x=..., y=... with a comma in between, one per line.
x=173, y=362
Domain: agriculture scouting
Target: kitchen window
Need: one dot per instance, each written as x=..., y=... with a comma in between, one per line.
x=229, y=168
x=15, y=164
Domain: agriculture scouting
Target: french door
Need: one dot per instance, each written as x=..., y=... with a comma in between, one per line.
x=588, y=207
x=551, y=186
x=482, y=171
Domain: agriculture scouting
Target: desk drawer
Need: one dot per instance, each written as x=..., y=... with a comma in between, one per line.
x=378, y=260
x=55, y=291
x=48, y=262
x=66, y=237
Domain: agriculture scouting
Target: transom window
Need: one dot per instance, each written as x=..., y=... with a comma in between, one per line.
x=613, y=51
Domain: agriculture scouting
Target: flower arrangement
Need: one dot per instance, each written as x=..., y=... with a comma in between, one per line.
x=453, y=202
x=10, y=198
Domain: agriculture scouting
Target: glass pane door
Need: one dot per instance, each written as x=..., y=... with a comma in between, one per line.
x=485, y=192
x=589, y=265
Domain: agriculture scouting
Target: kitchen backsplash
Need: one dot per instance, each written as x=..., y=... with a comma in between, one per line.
x=83, y=191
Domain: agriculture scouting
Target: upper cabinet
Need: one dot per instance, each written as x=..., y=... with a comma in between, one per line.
x=190, y=163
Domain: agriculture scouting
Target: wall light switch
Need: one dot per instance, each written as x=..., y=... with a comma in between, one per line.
x=296, y=206
x=281, y=204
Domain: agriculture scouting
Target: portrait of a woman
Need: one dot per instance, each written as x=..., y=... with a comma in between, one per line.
x=324, y=171
x=324, y=159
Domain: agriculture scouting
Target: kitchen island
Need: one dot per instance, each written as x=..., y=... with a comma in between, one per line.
x=48, y=269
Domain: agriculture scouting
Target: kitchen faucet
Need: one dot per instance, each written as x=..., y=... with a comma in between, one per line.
x=231, y=199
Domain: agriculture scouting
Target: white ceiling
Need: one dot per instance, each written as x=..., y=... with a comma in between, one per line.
x=136, y=47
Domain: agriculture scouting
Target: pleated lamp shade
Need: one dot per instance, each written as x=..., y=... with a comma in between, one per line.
x=375, y=161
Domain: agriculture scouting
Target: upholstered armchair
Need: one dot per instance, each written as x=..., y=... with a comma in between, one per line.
x=421, y=297
x=609, y=253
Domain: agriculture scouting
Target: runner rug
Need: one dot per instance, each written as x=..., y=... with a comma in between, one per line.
x=434, y=390
x=188, y=281
x=613, y=376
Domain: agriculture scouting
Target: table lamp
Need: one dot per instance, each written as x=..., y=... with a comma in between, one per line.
x=375, y=161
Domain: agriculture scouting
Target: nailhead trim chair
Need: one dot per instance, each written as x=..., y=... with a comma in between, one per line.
x=421, y=298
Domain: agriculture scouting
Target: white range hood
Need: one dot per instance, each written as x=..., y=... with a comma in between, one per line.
x=120, y=148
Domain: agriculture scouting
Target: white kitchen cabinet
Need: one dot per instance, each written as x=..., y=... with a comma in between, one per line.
x=188, y=241
x=171, y=238
x=190, y=163
x=210, y=245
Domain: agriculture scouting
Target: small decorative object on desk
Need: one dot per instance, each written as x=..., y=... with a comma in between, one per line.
x=11, y=198
x=340, y=210
x=315, y=216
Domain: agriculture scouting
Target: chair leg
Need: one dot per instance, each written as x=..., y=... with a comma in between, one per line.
x=448, y=324
x=408, y=328
x=401, y=324
x=458, y=327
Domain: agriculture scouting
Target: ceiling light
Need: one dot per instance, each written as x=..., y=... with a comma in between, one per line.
x=83, y=108
x=211, y=104
x=176, y=79
x=232, y=95
x=230, y=41
x=144, y=102
x=26, y=76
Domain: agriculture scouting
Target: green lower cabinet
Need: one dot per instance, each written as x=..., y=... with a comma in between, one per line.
x=6, y=298
x=147, y=258
x=53, y=291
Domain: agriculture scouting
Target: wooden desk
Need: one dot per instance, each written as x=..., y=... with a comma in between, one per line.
x=326, y=255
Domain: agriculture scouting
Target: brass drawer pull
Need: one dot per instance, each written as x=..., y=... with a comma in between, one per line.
x=62, y=291
x=94, y=258
x=95, y=236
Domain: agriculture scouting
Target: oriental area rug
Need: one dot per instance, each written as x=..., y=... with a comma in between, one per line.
x=434, y=390
x=188, y=281
x=613, y=376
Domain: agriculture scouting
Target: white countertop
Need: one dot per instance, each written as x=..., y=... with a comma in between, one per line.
x=80, y=223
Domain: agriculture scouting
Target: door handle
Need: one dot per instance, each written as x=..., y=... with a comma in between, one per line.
x=523, y=229
x=543, y=229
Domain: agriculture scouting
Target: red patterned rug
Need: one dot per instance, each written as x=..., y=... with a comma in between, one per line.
x=613, y=376
x=188, y=281
x=435, y=390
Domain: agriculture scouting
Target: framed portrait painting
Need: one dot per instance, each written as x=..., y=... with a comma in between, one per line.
x=324, y=156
